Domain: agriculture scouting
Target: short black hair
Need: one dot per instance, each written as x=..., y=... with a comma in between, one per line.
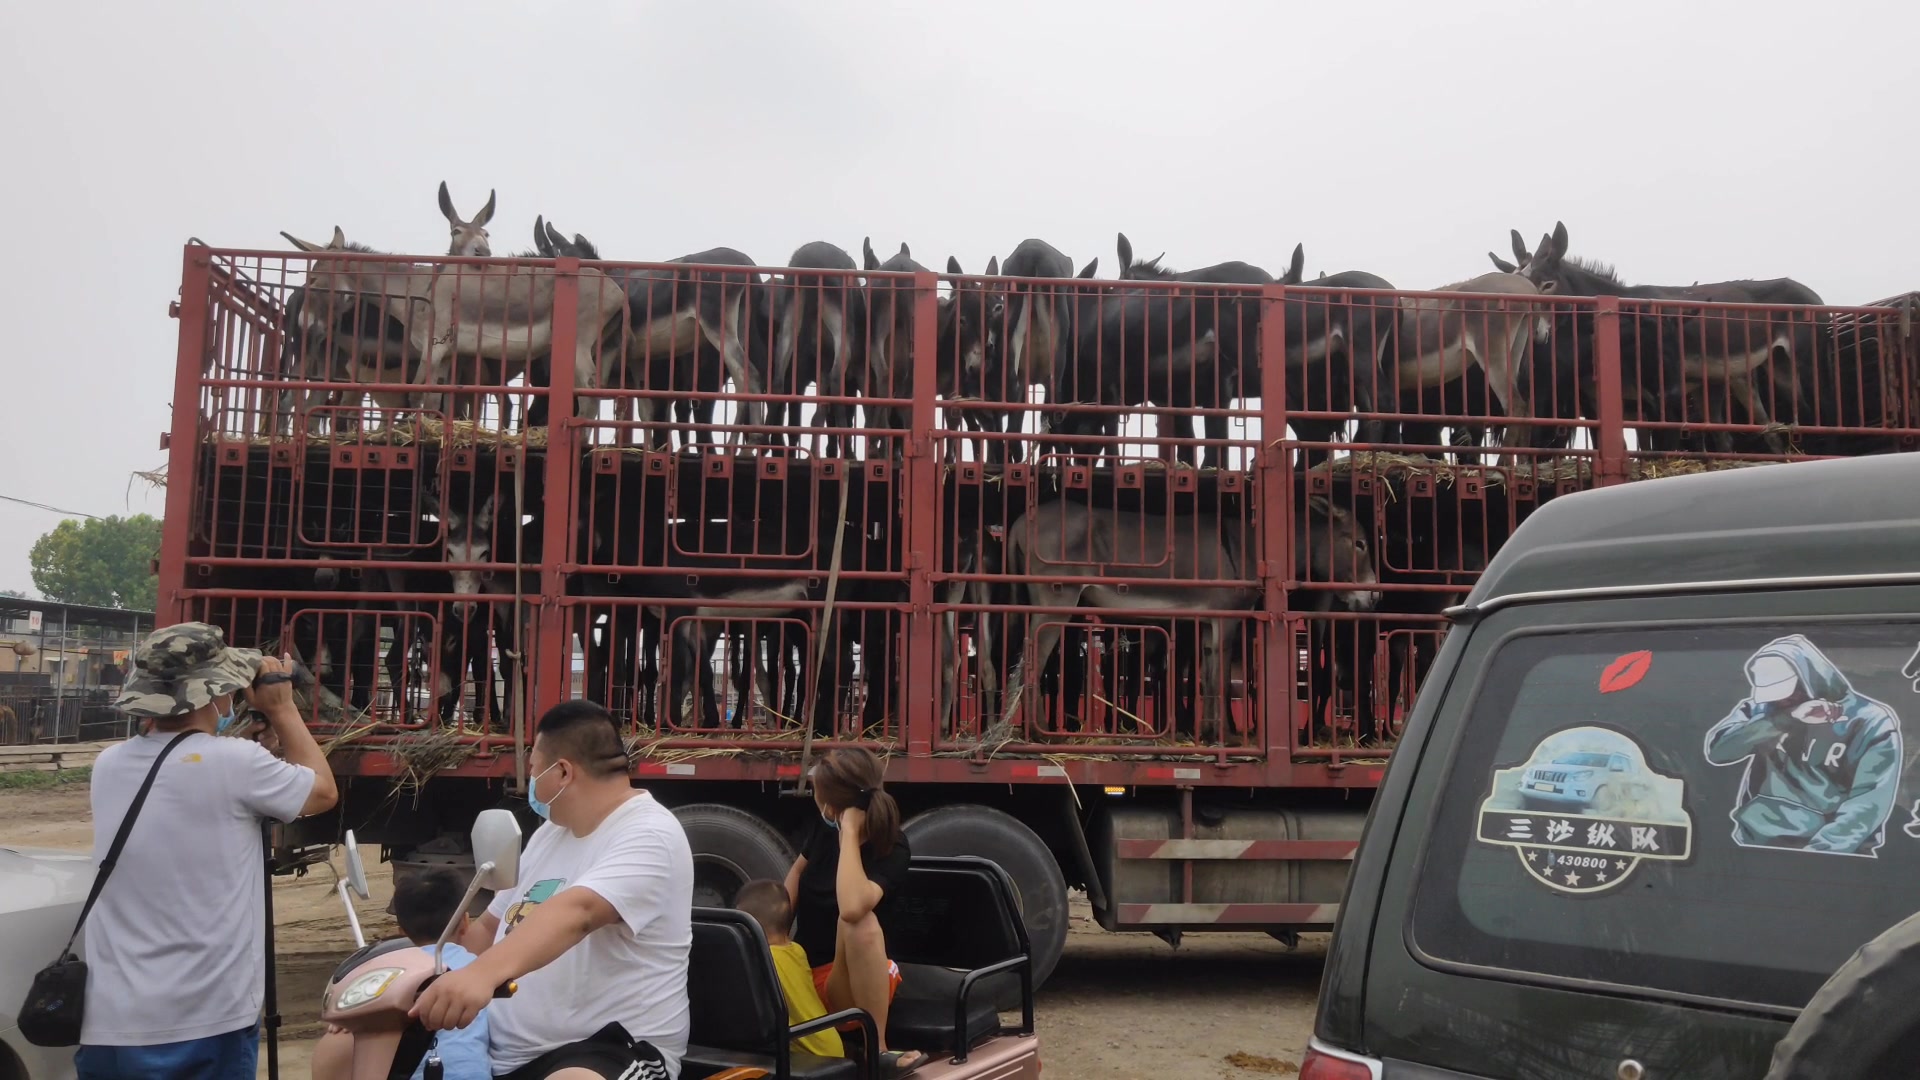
x=767, y=901
x=585, y=733
x=424, y=902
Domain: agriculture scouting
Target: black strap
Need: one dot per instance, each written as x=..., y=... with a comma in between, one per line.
x=120, y=838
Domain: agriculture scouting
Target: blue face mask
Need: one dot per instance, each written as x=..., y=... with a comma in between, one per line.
x=227, y=719
x=543, y=807
x=832, y=822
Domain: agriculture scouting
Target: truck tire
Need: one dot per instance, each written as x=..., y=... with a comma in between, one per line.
x=1865, y=1021
x=1039, y=886
x=730, y=848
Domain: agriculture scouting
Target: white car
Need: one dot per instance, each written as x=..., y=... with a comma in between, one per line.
x=41, y=892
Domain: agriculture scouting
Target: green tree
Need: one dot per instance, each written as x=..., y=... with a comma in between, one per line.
x=100, y=561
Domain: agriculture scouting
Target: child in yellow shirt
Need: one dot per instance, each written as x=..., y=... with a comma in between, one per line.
x=767, y=901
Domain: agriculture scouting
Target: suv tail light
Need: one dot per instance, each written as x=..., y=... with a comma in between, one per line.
x=1325, y=1063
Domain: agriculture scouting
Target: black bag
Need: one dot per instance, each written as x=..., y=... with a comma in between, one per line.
x=51, y=1014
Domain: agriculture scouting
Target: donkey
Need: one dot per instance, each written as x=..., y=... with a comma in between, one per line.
x=331, y=338
x=468, y=237
x=1344, y=653
x=816, y=316
x=889, y=353
x=504, y=315
x=1195, y=344
x=691, y=330
x=1468, y=344
x=1717, y=352
x=1203, y=563
x=1041, y=325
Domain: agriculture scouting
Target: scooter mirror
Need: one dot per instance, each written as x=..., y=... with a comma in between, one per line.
x=496, y=840
x=356, y=870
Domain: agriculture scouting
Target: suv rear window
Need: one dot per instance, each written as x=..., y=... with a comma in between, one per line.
x=1708, y=810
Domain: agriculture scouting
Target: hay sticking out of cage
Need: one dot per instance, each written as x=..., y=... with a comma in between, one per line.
x=1555, y=470
x=417, y=431
x=424, y=753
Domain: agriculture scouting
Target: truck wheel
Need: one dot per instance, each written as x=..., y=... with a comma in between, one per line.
x=730, y=848
x=1038, y=884
x=1866, y=1020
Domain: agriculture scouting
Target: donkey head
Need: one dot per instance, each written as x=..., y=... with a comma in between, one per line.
x=469, y=237
x=466, y=536
x=1543, y=266
x=1521, y=256
x=970, y=321
x=1147, y=269
x=1331, y=546
x=577, y=248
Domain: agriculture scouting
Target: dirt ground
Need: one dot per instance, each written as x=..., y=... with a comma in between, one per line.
x=1120, y=1006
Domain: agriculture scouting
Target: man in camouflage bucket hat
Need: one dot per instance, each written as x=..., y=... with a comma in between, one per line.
x=185, y=667
x=175, y=947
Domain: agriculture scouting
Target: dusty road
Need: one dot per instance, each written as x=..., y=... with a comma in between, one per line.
x=1122, y=1007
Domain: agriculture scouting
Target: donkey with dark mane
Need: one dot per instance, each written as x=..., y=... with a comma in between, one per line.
x=1197, y=562
x=692, y=329
x=1724, y=356
x=817, y=319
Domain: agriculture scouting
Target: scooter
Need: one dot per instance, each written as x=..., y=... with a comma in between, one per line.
x=372, y=990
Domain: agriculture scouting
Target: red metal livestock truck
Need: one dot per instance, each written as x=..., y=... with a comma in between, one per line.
x=1129, y=580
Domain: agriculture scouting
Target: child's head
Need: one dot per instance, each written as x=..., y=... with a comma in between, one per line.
x=766, y=900
x=424, y=901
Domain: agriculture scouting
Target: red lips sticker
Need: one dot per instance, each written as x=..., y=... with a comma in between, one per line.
x=1626, y=671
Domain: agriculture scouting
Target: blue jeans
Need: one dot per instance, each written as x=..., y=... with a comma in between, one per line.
x=233, y=1056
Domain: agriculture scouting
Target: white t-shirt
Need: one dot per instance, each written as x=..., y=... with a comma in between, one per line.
x=632, y=972
x=175, y=947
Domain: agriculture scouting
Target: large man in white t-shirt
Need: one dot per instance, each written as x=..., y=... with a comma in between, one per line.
x=175, y=946
x=596, y=932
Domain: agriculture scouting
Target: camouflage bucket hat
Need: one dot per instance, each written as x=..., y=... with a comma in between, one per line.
x=183, y=667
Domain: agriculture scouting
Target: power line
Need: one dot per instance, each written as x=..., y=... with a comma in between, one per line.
x=50, y=509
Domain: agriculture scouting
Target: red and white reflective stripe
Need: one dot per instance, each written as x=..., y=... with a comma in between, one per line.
x=1323, y=1062
x=1310, y=850
x=1055, y=771
x=1154, y=772
x=1238, y=914
x=655, y=768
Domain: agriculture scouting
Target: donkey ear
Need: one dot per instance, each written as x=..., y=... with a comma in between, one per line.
x=584, y=248
x=446, y=204
x=1559, y=240
x=1297, y=268
x=1125, y=249
x=993, y=266
x=483, y=518
x=904, y=253
x=953, y=266
x=1088, y=271
x=541, y=244
x=486, y=212
x=339, y=241
x=1520, y=252
x=866, y=254
x=1501, y=264
x=1319, y=505
x=303, y=245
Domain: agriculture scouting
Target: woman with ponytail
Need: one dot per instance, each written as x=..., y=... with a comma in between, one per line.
x=854, y=861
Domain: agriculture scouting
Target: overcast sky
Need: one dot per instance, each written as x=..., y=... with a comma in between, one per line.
x=1681, y=141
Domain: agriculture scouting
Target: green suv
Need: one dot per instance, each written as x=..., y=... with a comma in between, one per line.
x=1652, y=816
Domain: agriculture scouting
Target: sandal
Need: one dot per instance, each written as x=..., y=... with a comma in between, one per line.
x=890, y=1062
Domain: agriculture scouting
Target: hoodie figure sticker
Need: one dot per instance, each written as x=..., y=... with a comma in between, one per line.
x=1585, y=809
x=1822, y=759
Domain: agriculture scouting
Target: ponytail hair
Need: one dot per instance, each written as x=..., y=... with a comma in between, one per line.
x=854, y=777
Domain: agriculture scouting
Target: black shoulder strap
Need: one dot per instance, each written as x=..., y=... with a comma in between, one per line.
x=120, y=838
